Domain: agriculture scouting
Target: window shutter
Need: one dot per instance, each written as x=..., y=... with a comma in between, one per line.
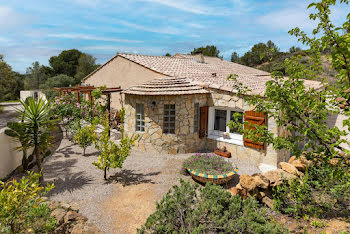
x=203, y=122
x=254, y=118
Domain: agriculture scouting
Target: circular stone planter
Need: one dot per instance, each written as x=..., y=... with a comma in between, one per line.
x=216, y=179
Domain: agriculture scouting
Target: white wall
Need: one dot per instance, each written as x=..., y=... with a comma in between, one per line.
x=10, y=159
x=30, y=93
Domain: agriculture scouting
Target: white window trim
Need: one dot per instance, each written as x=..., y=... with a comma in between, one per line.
x=235, y=138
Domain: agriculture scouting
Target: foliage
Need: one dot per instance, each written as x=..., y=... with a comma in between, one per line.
x=188, y=208
x=66, y=62
x=36, y=118
x=167, y=55
x=234, y=57
x=10, y=82
x=324, y=192
x=207, y=163
x=86, y=64
x=294, y=49
x=209, y=50
x=260, y=53
x=21, y=207
x=111, y=154
x=85, y=136
x=1, y=109
x=36, y=75
x=60, y=80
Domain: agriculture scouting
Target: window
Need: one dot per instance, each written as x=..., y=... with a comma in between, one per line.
x=196, y=117
x=240, y=120
x=220, y=120
x=169, y=119
x=217, y=126
x=140, y=118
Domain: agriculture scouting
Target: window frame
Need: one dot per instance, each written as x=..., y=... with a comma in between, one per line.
x=196, y=118
x=168, y=129
x=140, y=117
x=234, y=138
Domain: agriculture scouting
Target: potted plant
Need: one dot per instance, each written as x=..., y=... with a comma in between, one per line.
x=223, y=152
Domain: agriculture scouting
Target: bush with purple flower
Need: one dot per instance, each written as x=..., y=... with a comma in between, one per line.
x=207, y=163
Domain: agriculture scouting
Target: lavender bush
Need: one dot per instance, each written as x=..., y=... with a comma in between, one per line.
x=207, y=163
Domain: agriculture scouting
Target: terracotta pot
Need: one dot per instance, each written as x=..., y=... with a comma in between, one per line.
x=222, y=153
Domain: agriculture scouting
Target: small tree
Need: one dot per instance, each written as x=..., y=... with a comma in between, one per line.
x=85, y=136
x=36, y=118
x=111, y=154
x=17, y=198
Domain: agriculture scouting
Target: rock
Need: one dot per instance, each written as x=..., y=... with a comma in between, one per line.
x=58, y=214
x=65, y=206
x=276, y=176
x=264, y=193
x=298, y=164
x=74, y=207
x=308, y=163
x=289, y=168
x=300, y=174
x=247, y=182
x=234, y=191
x=268, y=202
x=53, y=205
x=87, y=228
x=292, y=159
x=74, y=216
x=44, y=199
x=261, y=181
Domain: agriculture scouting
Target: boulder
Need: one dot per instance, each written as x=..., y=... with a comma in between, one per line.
x=264, y=193
x=289, y=168
x=261, y=181
x=248, y=182
x=74, y=216
x=268, y=202
x=53, y=205
x=298, y=164
x=58, y=214
x=65, y=206
x=292, y=159
x=87, y=228
x=276, y=176
x=74, y=206
x=234, y=191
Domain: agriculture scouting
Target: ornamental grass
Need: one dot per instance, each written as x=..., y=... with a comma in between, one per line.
x=210, y=164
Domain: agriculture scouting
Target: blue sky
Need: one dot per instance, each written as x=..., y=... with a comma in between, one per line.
x=37, y=29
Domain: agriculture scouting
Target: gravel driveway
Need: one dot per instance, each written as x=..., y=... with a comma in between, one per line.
x=123, y=202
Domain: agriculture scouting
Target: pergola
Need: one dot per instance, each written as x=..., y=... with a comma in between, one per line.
x=88, y=90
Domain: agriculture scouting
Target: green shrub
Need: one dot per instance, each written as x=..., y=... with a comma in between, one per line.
x=323, y=192
x=21, y=208
x=85, y=136
x=208, y=164
x=1, y=109
x=189, y=208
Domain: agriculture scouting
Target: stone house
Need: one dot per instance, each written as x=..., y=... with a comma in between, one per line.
x=182, y=104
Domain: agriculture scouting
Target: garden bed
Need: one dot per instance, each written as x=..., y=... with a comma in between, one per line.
x=209, y=168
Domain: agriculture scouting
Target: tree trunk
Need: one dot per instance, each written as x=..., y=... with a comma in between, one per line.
x=38, y=163
x=105, y=174
x=84, y=151
x=25, y=160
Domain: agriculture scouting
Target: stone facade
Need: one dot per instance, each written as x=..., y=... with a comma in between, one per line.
x=185, y=140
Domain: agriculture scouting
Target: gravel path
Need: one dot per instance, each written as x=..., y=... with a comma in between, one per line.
x=123, y=202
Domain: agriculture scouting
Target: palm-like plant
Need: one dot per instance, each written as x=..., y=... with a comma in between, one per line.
x=35, y=125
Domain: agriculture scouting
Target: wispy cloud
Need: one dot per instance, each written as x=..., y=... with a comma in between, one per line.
x=163, y=30
x=9, y=18
x=90, y=37
x=190, y=6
